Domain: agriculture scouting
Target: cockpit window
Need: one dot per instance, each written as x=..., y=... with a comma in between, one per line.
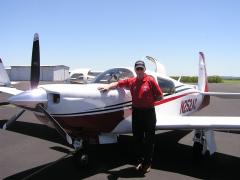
x=113, y=75
x=166, y=86
x=77, y=75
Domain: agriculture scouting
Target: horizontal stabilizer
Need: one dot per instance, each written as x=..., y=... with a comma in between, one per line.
x=198, y=122
x=226, y=95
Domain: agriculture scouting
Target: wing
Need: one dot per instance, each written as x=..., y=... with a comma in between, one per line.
x=9, y=90
x=198, y=122
x=226, y=95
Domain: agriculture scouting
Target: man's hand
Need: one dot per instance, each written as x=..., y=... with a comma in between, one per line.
x=108, y=87
x=159, y=98
x=103, y=89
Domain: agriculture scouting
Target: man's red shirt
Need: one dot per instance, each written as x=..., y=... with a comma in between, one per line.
x=144, y=91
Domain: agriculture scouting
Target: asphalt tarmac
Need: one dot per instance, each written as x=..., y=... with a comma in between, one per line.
x=30, y=150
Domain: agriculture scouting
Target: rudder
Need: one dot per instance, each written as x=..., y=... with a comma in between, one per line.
x=203, y=80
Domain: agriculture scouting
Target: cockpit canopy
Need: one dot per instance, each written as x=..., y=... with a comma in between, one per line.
x=113, y=75
x=116, y=74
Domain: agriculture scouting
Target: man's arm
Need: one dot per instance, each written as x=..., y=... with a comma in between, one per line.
x=157, y=91
x=108, y=87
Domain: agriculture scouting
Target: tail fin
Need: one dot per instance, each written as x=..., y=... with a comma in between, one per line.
x=203, y=80
x=4, y=79
x=202, y=77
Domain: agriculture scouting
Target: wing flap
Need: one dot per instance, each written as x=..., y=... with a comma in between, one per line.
x=9, y=90
x=198, y=122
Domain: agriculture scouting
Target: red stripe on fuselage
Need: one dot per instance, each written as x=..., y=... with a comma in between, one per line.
x=172, y=98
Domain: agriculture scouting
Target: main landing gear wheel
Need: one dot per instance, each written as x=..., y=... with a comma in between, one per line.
x=199, y=151
x=81, y=158
x=198, y=154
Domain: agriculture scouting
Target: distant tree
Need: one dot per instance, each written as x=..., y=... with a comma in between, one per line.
x=194, y=79
x=215, y=79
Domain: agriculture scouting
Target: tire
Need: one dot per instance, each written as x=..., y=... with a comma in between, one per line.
x=81, y=159
x=197, y=150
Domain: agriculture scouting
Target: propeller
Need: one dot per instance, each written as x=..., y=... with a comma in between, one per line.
x=35, y=66
x=35, y=74
x=36, y=97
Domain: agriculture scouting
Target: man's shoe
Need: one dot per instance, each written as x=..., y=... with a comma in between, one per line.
x=146, y=168
x=139, y=167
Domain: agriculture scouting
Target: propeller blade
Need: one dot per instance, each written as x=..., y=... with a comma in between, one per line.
x=58, y=127
x=4, y=103
x=35, y=66
x=13, y=119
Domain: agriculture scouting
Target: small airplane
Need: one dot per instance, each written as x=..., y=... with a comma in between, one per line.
x=83, y=115
x=82, y=76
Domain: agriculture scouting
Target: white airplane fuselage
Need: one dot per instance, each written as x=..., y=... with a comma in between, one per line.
x=83, y=108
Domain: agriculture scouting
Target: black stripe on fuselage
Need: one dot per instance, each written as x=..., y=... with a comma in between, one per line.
x=182, y=90
x=113, y=105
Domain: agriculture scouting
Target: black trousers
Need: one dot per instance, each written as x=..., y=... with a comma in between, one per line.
x=143, y=127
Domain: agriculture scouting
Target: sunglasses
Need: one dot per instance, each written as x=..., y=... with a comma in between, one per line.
x=139, y=69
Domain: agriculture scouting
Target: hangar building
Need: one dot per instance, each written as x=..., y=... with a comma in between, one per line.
x=47, y=73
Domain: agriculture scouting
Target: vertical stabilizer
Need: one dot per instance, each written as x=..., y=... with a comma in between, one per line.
x=202, y=76
x=4, y=79
x=203, y=80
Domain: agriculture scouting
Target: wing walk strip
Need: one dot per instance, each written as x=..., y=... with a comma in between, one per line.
x=115, y=105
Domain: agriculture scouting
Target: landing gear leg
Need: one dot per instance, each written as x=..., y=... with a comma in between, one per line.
x=204, y=143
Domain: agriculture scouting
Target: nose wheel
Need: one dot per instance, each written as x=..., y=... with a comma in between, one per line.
x=80, y=156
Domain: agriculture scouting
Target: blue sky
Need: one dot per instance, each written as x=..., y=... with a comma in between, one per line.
x=101, y=34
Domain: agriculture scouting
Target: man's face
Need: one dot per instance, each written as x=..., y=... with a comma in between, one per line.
x=139, y=71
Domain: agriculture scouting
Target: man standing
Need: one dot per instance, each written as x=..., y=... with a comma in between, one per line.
x=145, y=91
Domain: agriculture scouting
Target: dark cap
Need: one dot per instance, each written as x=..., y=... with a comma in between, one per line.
x=140, y=64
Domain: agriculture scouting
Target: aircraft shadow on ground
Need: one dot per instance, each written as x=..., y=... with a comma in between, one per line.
x=169, y=156
x=35, y=130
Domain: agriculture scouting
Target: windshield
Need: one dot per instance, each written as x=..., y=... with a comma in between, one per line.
x=166, y=86
x=113, y=75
